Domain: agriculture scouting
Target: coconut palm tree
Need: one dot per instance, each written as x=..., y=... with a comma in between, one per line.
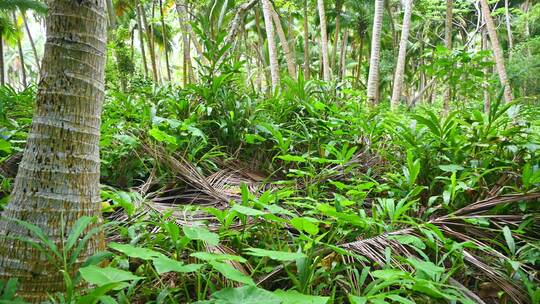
x=373, y=78
x=497, y=50
x=400, y=66
x=58, y=178
x=289, y=56
x=324, y=41
x=272, y=51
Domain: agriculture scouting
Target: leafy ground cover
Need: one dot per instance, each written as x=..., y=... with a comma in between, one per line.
x=218, y=194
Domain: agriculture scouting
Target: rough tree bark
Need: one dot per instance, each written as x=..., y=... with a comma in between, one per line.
x=373, y=79
x=324, y=41
x=400, y=66
x=497, y=50
x=58, y=178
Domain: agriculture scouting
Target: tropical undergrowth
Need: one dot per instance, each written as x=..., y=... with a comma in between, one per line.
x=215, y=193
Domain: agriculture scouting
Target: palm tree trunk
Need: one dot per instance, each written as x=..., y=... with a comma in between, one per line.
x=58, y=178
x=141, y=40
x=373, y=79
x=165, y=41
x=32, y=44
x=400, y=66
x=186, y=26
x=149, y=38
x=2, y=69
x=339, y=5
x=487, y=101
x=508, y=29
x=497, y=51
x=21, y=55
x=306, y=41
x=291, y=66
x=448, y=45
x=324, y=41
x=343, y=56
x=272, y=51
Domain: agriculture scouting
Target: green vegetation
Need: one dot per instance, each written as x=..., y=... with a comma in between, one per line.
x=218, y=188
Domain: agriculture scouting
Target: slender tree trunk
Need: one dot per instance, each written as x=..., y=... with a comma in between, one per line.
x=497, y=51
x=339, y=5
x=487, y=101
x=508, y=29
x=260, y=50
x=2, y=68
x=183, y=17
x=343, y=56
x=272, y=51
x=21, y=55
x=289, y=56
x=373, y=80
x=306, y=41
x=141, y=40
x=400, y=66
x=165, y=41
x=149, y=39
x=448, y=45
x=58, y=178
x=324, y=41
x=32, y=44
x=360, y=60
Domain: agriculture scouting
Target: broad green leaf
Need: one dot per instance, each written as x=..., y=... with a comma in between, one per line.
x=426, y=267
x=357, y=300
x=135, y=252
x=247, y=210
x=231, y=273
x=308, y=225
x=509, y=239
x=103, y=276
x=292, y=158
x=201, y=234
x=94, y=295
x=294, y=297
x=389, y=274
x=207, y=256
x=245, y=295
x=451, y=168
x=164, y=264
x=275, y=255
x=161, y=136
x=409, y=240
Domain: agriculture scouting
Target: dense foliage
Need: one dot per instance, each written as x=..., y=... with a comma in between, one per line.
x=219, y=191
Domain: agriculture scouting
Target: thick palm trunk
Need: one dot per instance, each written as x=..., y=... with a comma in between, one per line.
x=306, y=41
x=272, y=51
x=165, y=41
x=21, y=55
x=373, y=79
x=32, y=44
x=58, y=178
x=448, y=45
x=289, y=58
x=400, y=66
x=324, y=41
x=497, y=51
x=141, y=40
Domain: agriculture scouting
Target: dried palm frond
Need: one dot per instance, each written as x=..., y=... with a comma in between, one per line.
x=374, y=248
